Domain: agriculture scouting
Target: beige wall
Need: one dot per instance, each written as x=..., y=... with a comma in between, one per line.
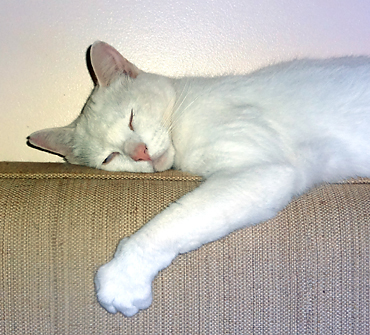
x=44, y=81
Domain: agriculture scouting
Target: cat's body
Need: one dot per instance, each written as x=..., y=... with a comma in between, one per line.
x=258, y=140
x=309, y=114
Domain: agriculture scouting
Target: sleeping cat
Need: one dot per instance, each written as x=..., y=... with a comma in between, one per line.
x=257, y=140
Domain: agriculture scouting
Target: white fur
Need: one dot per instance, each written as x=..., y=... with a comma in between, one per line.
x=258, y=140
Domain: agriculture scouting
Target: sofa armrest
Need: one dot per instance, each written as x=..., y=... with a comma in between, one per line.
x=305, y=271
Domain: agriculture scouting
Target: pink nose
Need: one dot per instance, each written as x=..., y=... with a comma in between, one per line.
x=140, y=153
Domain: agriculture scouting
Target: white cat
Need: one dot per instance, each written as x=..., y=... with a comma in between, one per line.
x=258, y=140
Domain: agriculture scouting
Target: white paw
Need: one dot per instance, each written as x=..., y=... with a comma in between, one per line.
x=124, y=284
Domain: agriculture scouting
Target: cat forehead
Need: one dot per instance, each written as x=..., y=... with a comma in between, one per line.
x=121, y=91
x=116, y=101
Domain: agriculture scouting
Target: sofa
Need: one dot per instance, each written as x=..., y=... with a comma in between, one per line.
x=304, y=272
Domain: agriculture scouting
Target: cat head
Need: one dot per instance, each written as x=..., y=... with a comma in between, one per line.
x=125, y=123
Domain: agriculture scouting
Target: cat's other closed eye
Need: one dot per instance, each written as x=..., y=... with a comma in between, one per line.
x=110, y=158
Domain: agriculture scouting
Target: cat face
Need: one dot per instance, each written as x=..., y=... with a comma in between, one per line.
x=125, y=123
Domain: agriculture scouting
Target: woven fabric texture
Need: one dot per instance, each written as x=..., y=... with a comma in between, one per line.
x=304, y=272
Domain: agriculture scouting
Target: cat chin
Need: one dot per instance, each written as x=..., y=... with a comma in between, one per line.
x=163, y=162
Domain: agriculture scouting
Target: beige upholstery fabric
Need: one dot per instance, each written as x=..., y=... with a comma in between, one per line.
x=304, y=272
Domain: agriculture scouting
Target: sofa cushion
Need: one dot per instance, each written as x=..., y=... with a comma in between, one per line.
x=305, y=271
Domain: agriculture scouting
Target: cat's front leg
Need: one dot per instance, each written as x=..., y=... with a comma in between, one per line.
x=225, y=202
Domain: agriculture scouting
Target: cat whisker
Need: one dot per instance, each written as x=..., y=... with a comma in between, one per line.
x=177, y=108
x=178, y=112
x=169, y=120
x=182, y=98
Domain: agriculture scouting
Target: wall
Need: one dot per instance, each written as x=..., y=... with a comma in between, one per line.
x=44, y=81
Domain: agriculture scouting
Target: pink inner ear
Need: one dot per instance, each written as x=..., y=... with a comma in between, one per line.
x=107, y=63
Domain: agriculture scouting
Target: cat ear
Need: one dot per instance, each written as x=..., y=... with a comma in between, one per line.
x=55, y=140
x=107, y=63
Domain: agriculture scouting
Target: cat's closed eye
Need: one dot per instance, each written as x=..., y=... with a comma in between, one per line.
x=110, y=157
x=131, y=119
